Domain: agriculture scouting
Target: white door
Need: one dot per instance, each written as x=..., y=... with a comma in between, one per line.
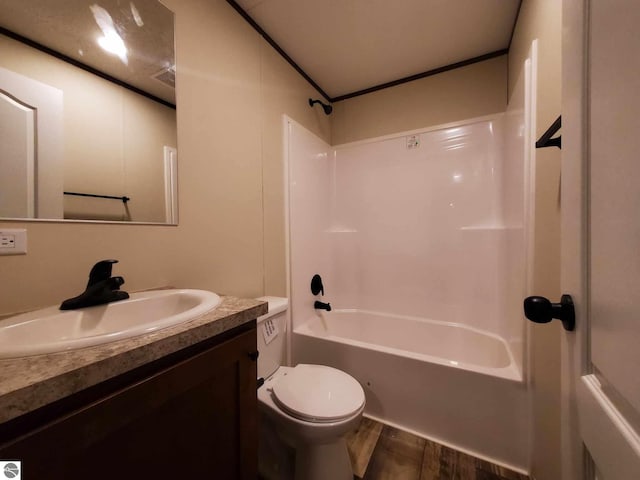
x=171, y=184
x=18, y=157
x=31, y=147
x=601, y=238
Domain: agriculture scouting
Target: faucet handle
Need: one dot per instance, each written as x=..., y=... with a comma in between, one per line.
x=316, y=285
x=101, y=271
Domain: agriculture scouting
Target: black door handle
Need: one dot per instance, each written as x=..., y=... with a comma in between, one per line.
x=541, y=310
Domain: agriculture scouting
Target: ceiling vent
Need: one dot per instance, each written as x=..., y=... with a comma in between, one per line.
x=166, y=76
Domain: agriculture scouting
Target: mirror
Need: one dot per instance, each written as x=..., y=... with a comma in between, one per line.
x=87, y=111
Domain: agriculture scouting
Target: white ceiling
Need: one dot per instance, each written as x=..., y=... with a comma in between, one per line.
x=350, y=45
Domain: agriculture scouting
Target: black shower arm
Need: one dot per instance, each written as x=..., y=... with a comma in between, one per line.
x=327, y=108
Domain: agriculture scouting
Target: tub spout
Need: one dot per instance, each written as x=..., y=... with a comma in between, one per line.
x=322, y=306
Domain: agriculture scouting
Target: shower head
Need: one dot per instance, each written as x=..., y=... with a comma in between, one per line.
x=327, y=108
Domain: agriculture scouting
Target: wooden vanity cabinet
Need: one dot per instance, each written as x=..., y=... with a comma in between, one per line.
x=192, y=415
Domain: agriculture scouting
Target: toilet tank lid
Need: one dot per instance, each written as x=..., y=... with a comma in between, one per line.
x=276, y=305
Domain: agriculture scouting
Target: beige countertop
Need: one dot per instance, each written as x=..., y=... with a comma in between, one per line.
x=28, y=383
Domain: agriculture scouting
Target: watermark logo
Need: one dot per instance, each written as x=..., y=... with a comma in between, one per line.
x=10, y=469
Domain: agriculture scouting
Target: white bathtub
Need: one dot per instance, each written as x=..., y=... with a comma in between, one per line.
x=446, y=382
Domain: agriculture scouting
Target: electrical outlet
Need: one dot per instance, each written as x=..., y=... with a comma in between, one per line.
x=13, y=241
x=7, y=241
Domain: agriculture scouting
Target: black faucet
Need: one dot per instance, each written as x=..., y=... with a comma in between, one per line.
x=102, y=288
x=322, y=306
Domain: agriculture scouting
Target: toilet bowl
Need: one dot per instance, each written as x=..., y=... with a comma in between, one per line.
x=310, y=408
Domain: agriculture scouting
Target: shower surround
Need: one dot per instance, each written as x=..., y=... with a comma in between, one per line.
x=420, y=240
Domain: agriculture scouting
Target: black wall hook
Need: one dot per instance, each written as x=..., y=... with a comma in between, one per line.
x=546, y=140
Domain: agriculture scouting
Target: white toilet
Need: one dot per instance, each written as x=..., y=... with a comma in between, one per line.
x=306, y=410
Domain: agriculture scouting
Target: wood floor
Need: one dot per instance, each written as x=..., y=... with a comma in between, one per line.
x=381, y=452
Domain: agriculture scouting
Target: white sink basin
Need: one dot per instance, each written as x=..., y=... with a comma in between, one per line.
x=52, y=330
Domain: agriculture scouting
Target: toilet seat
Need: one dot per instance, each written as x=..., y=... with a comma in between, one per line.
x=317, y=393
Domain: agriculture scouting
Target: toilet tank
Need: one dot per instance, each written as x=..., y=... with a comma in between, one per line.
x=272, y=330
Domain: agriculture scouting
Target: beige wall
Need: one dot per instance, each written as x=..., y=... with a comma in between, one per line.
x=114, y=138
x=472, y=91
x=542, y=19
x=232, y=91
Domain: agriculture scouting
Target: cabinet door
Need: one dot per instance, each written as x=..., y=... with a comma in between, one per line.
x=196, y=419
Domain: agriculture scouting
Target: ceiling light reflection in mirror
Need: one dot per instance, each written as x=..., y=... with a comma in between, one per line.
x=110, y=41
